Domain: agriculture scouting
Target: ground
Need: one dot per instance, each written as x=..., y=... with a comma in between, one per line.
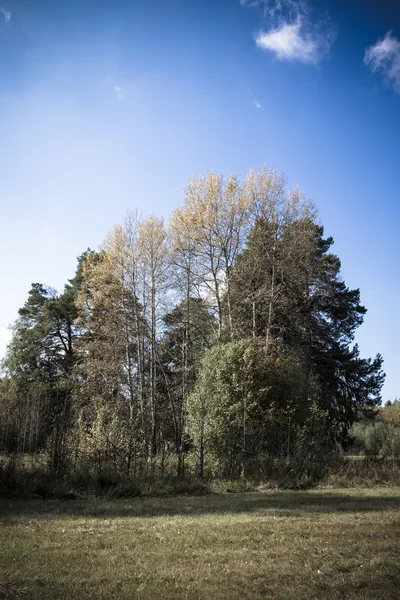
x=320, y=544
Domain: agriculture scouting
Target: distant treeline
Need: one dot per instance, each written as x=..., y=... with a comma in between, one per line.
x=218, y=346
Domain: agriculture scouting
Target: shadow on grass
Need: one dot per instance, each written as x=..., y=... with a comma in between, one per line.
x=279, y=504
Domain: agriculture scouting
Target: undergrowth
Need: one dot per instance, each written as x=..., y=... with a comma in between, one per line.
x=29, y=477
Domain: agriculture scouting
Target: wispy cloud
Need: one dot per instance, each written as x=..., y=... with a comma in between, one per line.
x=257, y=104
x=293, y=33
x=6, y=14
x=122, y=90
x=278, y=9
x=119, y=92
x=384, y=56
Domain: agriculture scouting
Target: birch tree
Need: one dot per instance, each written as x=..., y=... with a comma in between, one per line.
x=153, y=260
x=214, y=218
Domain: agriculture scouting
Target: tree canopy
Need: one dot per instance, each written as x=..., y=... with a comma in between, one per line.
x=225, y=339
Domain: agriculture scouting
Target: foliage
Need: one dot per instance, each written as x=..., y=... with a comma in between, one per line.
x=222, y=345
x=39, y=366
x=380, y=437
x=251, y=409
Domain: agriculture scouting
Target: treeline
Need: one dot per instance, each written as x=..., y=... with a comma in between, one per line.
x=380, y=437
x=220, y=345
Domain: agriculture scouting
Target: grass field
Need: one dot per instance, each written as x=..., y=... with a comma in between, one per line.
x=338, y=543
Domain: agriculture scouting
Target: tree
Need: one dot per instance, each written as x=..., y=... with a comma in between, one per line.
x=39, y=361
x=182, y=347
x=108, y=358
x=232, y=332
x=214, y=220
x=313, y=315
x=153, y=259
x=349, y=384
x=272, y=269
x=241, y=406
x=120, y=312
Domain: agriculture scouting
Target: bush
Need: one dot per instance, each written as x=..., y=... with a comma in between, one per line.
x=366, y=472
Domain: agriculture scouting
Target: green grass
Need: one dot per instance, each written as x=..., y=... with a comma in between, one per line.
x=320, y=544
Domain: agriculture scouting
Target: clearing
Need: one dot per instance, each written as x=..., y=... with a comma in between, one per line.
x=319, y=544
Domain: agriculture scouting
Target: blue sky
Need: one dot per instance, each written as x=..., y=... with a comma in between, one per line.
x=107, y=106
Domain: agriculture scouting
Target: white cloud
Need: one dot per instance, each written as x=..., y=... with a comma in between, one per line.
x=289, y=42
x=384, y=56
x=6, y=14
x=294, y=35
x=123, y=90
x=257, y=104
x=120, y=93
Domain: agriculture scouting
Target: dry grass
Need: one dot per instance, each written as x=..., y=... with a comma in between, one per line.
x=325, y=544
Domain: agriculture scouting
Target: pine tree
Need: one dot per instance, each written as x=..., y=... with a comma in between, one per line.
x=39, y=361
